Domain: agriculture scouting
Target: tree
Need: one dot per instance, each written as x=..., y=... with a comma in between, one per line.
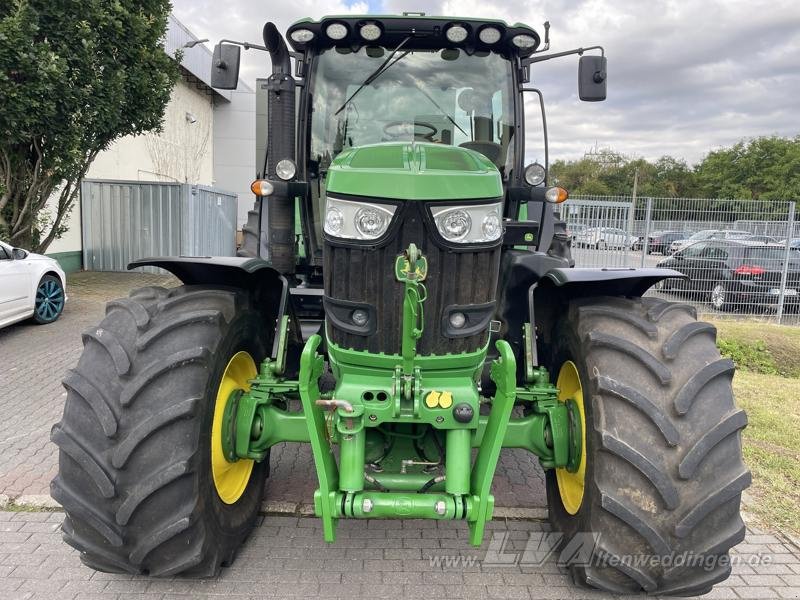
x=764, y=168
x=75, y=75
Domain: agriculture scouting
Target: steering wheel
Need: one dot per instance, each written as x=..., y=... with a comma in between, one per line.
x=392, y=130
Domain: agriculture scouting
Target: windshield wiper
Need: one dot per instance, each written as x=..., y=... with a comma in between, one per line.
x=385, y=66
x=441, y=110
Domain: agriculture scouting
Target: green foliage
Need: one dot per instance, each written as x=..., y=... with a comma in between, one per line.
x=765, y=168
x=75, y=75
x=751, y=356
x=761, y=347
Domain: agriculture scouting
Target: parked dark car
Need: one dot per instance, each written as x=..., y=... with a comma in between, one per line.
x=735, y=274
x=661, y=240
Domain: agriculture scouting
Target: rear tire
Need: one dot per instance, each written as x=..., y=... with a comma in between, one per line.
x=250, y=233
x=664, y=471
x=135, y=476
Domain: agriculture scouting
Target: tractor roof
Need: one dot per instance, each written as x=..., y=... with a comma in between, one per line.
x=414, y=171
x=425, y=32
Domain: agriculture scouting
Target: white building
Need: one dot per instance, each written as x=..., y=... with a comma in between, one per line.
x=208, y=139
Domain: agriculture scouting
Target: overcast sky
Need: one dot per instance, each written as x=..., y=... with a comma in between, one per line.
x=685, y=76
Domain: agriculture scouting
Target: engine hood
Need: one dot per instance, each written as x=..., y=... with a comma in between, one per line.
x=414, y=171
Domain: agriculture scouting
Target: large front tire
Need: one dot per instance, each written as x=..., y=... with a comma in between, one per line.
x=664, y=471
x=135, y=463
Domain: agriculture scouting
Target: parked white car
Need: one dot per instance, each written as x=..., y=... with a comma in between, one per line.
x=603, y=238
x=31, y=286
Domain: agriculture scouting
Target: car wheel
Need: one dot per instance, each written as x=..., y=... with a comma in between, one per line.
x=49, y=300
x=719, y=296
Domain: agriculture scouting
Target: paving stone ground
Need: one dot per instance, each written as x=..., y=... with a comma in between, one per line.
x=34, y=358
x=285, y=557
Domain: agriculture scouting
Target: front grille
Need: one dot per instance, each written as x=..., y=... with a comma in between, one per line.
x=366, y=274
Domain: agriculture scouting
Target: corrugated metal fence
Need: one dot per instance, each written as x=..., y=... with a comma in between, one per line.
x=126, y=220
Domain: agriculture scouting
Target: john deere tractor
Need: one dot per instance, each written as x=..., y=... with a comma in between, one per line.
x=405, y=302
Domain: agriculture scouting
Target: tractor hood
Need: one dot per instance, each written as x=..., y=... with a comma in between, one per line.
x=414, y=171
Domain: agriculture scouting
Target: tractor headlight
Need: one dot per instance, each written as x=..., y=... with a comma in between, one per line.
x=357, y=220
x=534, y=174
x=302, y=36
x=370, y=31
x=489, y=35
x=523, y=41
x=336, y=31
x=456, y=33
x=285, y=169
x=470, y=224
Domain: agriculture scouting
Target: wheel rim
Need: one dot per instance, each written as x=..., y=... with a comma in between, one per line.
x=571, y=484
x=49, y=300
x=718, y=296
x=230, y=478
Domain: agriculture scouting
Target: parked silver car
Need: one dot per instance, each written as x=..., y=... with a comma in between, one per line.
x=708, y=234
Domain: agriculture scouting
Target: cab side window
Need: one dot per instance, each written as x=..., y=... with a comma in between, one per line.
x=4, y=255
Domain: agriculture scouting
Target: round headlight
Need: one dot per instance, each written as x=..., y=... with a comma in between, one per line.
x=535, y=174
x=359, y=317
x=370, y=32
x=371, y=223
x=458, y=320
x=334, y=220
x=455, y=225
x=285, y=169
x=336, y=31
x=523, y=41
x=302, y=36
x=489, y=35
x=491, y=226
x=456, y=33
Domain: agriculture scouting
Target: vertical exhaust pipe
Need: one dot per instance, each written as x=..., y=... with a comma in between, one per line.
x=278, y=210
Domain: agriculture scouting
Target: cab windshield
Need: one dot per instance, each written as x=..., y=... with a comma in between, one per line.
x=440, y=96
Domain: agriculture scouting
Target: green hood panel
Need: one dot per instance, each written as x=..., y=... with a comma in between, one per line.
x=414, y=171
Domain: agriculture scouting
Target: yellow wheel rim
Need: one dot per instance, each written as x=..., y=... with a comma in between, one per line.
x=571, y=485
x=230, y=478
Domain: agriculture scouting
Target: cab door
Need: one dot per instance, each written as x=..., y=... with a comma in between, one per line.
x=15, y=286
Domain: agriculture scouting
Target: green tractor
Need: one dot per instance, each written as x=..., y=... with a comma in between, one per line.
x=405, y=301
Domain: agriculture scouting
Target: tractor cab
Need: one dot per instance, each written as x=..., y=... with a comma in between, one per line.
x=374, y=81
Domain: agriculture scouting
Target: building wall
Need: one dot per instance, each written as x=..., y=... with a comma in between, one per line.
x=183, y=152
x=234, y=147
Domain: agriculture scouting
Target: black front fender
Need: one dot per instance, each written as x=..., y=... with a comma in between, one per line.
x=605, y=281
x=270, y=290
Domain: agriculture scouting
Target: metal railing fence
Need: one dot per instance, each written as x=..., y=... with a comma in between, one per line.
x=741, y=258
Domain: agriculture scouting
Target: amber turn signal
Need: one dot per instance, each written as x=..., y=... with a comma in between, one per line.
x=556, y=195
x=262, y=187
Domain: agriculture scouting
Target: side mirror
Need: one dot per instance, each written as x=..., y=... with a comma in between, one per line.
x=19, y=253
x=225, y=66
x=592, y=78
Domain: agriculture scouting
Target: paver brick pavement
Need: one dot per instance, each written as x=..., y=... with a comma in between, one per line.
x=35, y=359
x=268, y=566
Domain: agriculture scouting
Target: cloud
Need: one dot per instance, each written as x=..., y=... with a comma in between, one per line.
x=685, y=76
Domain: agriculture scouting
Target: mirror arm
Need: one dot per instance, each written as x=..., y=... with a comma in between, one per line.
x=245, y=45
x=579, y=51
x=544, y=131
